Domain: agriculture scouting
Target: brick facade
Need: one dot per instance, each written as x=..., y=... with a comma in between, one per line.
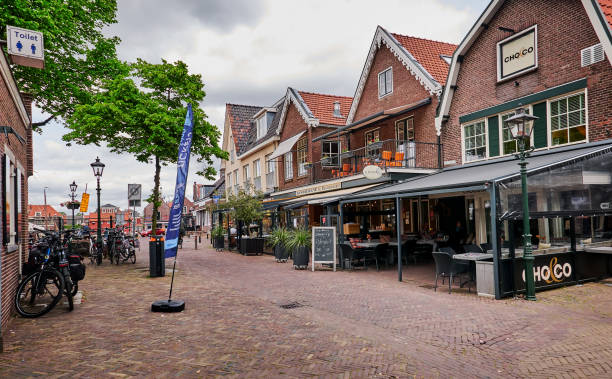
x=22, y=156
x=563, y=30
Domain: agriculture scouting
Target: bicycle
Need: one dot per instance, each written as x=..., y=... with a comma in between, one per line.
x=95, y=252
x=48, y=279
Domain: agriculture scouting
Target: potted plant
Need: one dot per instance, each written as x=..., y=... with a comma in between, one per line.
x=218, y=235
x=299, y=247
x=278, y=240
x=245, y=207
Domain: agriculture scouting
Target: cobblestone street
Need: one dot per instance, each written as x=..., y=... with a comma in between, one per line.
x=346, y=324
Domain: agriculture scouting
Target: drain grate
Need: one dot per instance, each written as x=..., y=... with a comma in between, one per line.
x=291, y=305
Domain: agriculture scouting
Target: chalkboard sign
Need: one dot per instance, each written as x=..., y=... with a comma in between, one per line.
x=323, y=245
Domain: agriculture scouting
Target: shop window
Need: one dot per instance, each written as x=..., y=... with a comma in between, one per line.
x=475, y=141
x=372, y=143
x=11, y=194
x=385, y=82
x=302, y=156
x=288, y=160
x=568, y=120
x=331, y=151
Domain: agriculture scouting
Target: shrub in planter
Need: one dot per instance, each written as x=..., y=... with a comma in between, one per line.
x=251, y=246
x=278, y=240
x=299, y=247
x=218, y=235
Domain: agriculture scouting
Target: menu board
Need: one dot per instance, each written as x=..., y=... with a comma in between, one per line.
x=323, y=245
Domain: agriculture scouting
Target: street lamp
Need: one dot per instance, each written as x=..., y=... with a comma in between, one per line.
x=521, y=127
x=98, y=168
x=73, y=188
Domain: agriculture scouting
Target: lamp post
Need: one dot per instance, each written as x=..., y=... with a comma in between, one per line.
x=521, y=127
x=73, y=188
x=98, y=168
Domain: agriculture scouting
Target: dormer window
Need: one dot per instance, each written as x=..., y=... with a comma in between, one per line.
x=337, y=109
x=262, y=126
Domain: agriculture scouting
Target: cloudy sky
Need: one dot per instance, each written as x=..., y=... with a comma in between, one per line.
x=248, y=52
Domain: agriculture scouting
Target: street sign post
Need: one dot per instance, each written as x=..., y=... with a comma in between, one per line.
x=134, y=198
x=25, y=47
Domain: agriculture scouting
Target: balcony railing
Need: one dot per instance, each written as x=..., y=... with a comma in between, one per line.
x=271, y=178
x=388, y=154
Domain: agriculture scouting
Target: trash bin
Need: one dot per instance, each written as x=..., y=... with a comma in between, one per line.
x=157, y=263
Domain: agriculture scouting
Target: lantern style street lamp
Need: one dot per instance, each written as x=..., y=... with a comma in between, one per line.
x=73, y=188
x=521, y=127
x=98, y=168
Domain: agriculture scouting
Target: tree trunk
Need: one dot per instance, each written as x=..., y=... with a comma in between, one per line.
x=156, y=196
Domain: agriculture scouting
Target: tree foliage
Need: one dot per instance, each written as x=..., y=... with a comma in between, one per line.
x=245, y=206
x=142, y=113
x=78, y=57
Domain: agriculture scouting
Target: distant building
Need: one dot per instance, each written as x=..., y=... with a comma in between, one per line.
x=44, y=216
x=163, y=214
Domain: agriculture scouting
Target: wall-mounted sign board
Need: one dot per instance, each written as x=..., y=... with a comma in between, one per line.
x=517, y=54
x=323, y=245
x=25, y=47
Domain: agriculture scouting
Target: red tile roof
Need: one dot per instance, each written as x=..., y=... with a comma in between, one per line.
x=427, y=53
x=240, y=122
x=606, y=7
x=49, y=211
x=322, y=107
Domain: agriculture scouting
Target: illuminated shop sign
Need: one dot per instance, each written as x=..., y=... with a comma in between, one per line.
x=517, y=54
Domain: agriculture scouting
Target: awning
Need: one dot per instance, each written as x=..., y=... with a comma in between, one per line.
x=286, y=146
x=272, y=204
x=477, y=176
x=325, y=197
x=382, y=115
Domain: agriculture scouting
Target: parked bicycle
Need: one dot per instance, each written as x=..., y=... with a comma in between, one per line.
x=49, y=275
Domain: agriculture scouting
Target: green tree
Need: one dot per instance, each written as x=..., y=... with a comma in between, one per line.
x=78, y=57
x=245, y=206
x=146, y=119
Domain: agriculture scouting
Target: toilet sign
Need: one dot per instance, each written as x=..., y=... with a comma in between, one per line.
x=25, y=47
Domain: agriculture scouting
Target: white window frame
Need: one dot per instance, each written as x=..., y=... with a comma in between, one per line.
x=486, y=128
x=384, y=72
x=302, y=154
x=246, y=173
x=270, y=164
x=262, y=125
x=256, y=168
x=549, y=117
x=288, y=163
x=236, y=181
x=330, y=154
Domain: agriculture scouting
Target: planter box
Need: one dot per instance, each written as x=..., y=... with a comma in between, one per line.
x=281, y=254
x=485, y=284
x=252, y=246
x=300, y=258
x=219, y=242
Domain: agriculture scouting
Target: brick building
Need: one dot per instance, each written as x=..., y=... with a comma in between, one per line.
x=43, y=216
x=163, y=213
x=388, y=124
x=16, y=150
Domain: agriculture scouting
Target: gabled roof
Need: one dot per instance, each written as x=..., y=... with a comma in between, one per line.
x=429, y=54
x=322, y=106
x=45, y=210
x=252, y=142
x=598, y=11
x=240, y=117
x=422, y=57
x=315, y=108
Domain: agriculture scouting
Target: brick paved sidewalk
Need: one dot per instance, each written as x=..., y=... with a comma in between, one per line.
x=350, y=324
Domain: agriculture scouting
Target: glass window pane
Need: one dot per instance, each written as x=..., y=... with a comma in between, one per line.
x=554, y=108
x=575, y=118
x=577, y=134
x=574, y=102
x=554, y=123
x=559, y=137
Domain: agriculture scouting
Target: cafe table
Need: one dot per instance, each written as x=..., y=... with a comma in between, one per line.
x=598, y=249
x=472, y=256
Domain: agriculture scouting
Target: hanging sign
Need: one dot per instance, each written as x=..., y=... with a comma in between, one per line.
x=84, y=202
x=517, y=54
x=372, y=172
x=25, y=47
x=323, y=245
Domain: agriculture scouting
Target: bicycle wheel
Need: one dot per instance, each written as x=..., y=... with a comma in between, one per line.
x=68, y=293
x=75, y=289
x=133, y=256
x=33, y=300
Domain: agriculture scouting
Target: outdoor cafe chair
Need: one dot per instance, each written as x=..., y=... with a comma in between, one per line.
x=399, y=160
x=352, y=255
x=381, y=253
x=446, y=267
x=485, y=247
x=386, y=156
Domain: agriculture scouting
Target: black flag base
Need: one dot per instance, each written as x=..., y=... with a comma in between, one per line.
x=168, y=306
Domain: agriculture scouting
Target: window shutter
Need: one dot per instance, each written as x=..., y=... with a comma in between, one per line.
x=493, y=136
x=540, y=131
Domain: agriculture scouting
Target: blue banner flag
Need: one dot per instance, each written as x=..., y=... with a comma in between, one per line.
x=176, y=212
